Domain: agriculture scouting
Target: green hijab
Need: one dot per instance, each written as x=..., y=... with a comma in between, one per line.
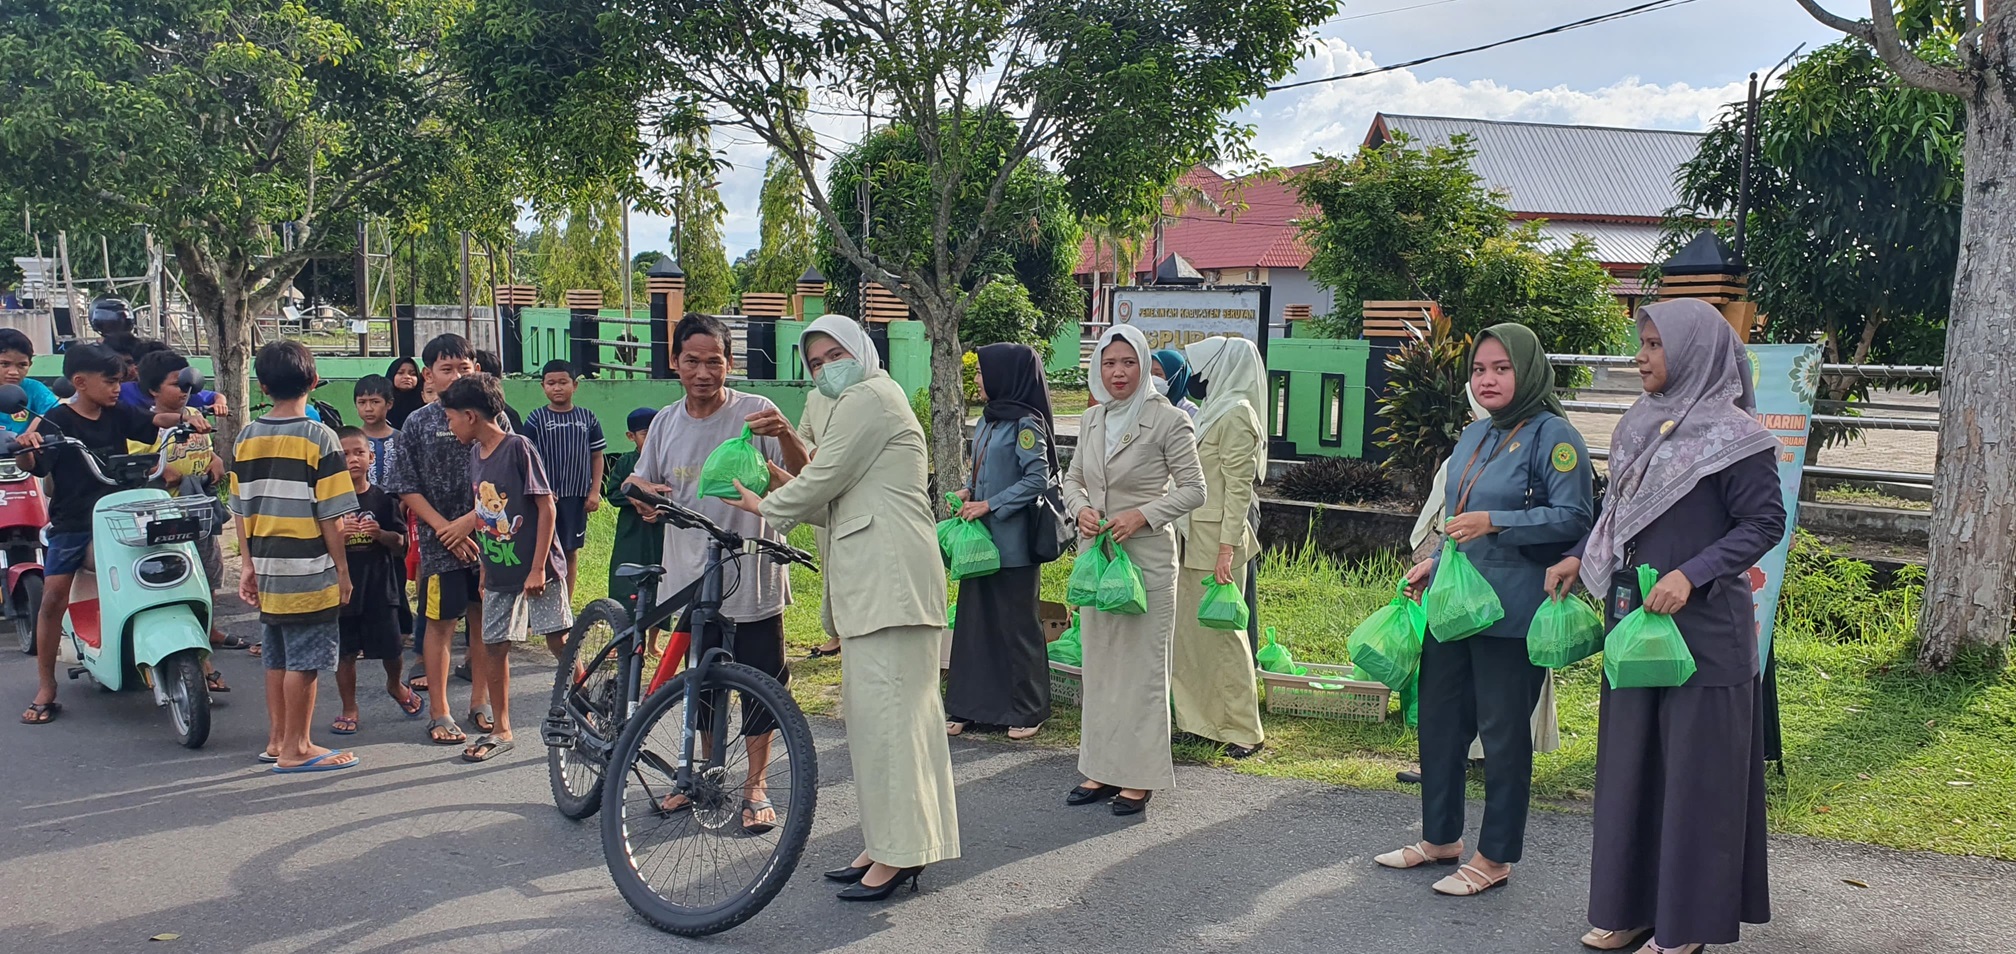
x=1532, y=376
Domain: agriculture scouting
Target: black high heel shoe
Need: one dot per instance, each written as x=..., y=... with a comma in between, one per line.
x=849, y=875
x=881, y=892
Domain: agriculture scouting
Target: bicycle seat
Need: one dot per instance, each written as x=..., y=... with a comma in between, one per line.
x=652, y=572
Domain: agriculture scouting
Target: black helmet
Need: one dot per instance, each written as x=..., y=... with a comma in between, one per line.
x=111, y=316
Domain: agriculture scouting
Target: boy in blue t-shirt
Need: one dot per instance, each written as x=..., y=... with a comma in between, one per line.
x=17, y=353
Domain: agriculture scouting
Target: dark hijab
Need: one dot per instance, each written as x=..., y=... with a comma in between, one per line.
x=1532, y=376
x=404, y=402
x=1016, y=388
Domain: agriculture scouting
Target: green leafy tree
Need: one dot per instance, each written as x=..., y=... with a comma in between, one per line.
x=1403, y=222
x=581, y=250
x=1854, y=216
x=249, y=135
x=697, y=208
x=744, y=270
x=1966, y=53
x=786, y=225
x=1120, y=97
x=1001, y=311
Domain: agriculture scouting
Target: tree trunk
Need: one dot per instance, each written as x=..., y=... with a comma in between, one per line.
x=948, y=398
x=218, y=290
x=1968, y=589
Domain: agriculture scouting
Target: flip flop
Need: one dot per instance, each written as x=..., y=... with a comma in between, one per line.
x=231, y=641
x=417, y=684
x=269, y=758
x=255, y=650
x=751, y=806
x=486, y=748
x=214, y=680
x=315, y=764
x=456, y=736
x=481, y=718
x=41, y=713
x=419, y=705
x=343, y=726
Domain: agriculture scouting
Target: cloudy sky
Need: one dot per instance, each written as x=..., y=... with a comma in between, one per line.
x=1670, y=69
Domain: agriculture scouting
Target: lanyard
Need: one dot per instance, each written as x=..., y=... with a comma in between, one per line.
x=1466, y=483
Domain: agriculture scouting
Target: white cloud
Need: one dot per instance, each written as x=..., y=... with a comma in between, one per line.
x=1333, y=117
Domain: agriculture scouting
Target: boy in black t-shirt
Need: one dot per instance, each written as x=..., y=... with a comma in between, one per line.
x=375, y=544
x=95, y=417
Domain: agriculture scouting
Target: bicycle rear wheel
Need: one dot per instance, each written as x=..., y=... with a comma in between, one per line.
x=590, y=706
x=700, y=868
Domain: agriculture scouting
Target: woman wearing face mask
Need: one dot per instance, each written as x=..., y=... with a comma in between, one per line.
x=1694, y=492
x=885, y=588
x=1135, y=474
x=1211, y=682
x=1518, y=486
x=1172, y=379
x=1000, y=674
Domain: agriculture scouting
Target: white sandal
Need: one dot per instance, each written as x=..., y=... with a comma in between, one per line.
x=1416, y=855
x=1603, y=940
x=1461, y=885
x=1022, y=733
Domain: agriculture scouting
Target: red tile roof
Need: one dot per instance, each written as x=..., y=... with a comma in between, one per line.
x=1256, y=230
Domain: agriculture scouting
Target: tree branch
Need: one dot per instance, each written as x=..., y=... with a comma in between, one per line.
x=1880, y=31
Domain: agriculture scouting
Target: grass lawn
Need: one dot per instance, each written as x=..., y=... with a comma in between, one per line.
x=1065, y=402
x=1875, y=752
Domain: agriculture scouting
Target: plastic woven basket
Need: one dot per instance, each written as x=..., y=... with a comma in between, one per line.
x=1326, y=692
x=1067, y=684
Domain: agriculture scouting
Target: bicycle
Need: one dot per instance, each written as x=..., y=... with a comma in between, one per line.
x=604, y=753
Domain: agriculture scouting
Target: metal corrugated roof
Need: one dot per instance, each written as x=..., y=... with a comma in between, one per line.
x=1616, y=243
x=1563, y=170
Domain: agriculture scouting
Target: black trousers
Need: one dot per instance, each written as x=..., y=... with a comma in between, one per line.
x=1480, y=686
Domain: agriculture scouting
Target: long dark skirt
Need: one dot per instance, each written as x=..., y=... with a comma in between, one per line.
x=1680, y=814
x=1000, y=673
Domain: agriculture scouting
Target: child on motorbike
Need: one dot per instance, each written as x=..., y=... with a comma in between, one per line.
x=17, y=354
x=189, y=468
x=93, y=416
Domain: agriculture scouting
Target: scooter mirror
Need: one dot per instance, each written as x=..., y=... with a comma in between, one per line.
x=189, y=380
x=13, y=400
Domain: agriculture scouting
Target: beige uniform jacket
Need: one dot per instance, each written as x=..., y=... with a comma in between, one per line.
x=1229, y=455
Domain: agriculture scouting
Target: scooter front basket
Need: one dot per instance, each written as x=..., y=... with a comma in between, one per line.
x=159, y=522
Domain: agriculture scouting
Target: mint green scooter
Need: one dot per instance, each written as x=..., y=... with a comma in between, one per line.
x=141, y=618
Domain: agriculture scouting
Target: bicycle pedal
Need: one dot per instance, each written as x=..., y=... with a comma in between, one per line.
x=77, y=671
x=558, y=730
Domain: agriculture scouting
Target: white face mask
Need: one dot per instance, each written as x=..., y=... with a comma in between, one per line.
x=1161, y=386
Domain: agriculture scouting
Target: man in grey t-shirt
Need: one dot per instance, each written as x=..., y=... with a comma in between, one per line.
x=681, y=437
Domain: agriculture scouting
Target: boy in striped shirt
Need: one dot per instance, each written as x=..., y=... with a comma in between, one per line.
x=570, y=443
x=289, y=487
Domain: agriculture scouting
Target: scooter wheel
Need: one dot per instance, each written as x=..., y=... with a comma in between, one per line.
x=188, y=697
x=28, y=611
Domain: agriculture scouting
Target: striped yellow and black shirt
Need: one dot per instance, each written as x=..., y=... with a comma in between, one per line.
x=287, y=476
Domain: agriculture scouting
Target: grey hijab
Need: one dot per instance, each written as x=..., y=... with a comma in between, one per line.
x=1666, y=443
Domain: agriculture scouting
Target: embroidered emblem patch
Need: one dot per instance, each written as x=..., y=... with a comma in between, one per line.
x=1564, y=457
x=1027, y=439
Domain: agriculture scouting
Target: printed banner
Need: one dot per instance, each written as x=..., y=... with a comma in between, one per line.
x=1785, y=378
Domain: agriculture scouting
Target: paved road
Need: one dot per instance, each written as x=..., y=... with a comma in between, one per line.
x=114, y=835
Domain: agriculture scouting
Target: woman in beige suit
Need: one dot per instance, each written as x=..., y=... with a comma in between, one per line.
x=1211, y=679
x=885, y=589
x=1135, y=474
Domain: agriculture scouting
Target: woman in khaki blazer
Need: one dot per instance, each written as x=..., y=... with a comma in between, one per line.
x=1136, y=474
x=885, y=589
x=1211, y=680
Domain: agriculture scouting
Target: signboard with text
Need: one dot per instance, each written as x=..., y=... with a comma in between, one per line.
x=1785, y=378
x=1174, y=317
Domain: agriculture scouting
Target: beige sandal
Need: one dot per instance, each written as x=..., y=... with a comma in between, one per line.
x=1024, y=733
x=1462, y=885
x=1603, y=940
x=1416, y=855
x=1652, y=947
x=953, y=727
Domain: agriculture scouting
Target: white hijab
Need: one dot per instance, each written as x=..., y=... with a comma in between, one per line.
x=1121, y=414
x=1437, y=504
x=851, y=336
x=1236, y=384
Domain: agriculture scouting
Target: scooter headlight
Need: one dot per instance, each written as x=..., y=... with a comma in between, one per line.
x=161, y=570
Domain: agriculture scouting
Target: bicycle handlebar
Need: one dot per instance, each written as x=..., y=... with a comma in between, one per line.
x=687, y=518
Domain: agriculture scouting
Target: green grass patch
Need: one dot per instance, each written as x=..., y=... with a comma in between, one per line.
x=1871, y=498
x=1875, y=751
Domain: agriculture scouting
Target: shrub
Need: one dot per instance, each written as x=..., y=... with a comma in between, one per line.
x=1336, y=480
x=1424, y=407
x=1001, y=311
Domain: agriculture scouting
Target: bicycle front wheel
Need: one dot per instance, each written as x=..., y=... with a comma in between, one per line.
x=702, y=859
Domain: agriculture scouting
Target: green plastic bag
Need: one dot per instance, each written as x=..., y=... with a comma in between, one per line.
x=1067, y=648
x=1646, y=650
x=1223, y=606
x=1564, y=632
x=736, y=459
x=951, y=615
x=1460, y=602
x=1083, y=586
x=1121, y=589
x=968, y=548
x=1274, y=657
x=1386, y=647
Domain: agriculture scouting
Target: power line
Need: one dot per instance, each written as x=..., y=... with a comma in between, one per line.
x=1631, y=11
x=1381, y=13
